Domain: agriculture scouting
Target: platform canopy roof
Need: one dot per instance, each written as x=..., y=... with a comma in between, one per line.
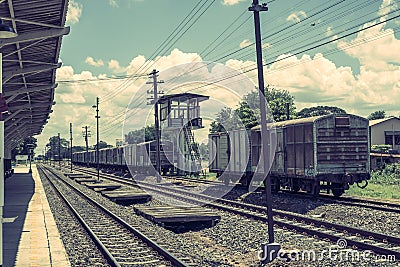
x=29, y=62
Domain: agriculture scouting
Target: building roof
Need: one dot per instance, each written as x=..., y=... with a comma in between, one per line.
x=374, y=122
x=30, y=61
x=182, y=97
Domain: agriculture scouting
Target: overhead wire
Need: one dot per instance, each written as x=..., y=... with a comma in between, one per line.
x=305, y=48
x=335, y=39
x=177, y=34
x=211, y=61
x=280, y=52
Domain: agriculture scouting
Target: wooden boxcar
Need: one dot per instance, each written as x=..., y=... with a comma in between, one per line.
x=230, y=155
x=325, y=152
x=139, y=158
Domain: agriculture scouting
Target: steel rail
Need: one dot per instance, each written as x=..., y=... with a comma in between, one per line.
x=163, y=252
x=258, y=213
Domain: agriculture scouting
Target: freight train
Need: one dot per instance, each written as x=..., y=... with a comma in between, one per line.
x=137, y=158
x=325, y=152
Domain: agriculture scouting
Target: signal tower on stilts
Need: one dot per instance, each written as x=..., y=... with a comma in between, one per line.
x=179, y=116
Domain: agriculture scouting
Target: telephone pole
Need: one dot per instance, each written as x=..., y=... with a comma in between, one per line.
x=97, y=134
x=70, y=138
x=270, y=249
x=86, y=134
x=59, y=151
x=154, y=100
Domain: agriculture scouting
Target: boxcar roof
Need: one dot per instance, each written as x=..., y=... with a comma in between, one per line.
x=290, y=122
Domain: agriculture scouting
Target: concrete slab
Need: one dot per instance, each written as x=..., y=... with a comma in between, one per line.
x=33, y=238
x=171, y=214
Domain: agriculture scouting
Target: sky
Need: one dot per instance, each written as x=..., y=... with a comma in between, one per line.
x=343, y=53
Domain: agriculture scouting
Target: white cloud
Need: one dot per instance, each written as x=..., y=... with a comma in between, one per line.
x=244, y=43
x=386, y=7
x=176, y=57
x=92, y=62
x=74, y=12
x=115, y=67
x=231, y=2
x=113, y=3
x=75, y=97
x=376, y=48
x=297, y=16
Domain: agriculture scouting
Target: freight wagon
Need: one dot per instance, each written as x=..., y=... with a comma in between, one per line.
x=325, y=152
x=138, y=158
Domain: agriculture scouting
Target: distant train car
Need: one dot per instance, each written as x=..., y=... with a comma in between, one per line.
x=230, y=154
x=139, y=158
x=325, y=152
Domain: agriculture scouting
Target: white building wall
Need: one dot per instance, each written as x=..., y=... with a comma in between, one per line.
x=378, y=131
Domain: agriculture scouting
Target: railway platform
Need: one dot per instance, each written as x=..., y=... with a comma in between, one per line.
x=33, y=238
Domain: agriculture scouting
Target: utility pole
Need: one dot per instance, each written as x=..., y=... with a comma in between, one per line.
x=59, y=151
x=70, y=138
x=154, y=101
x=86, y=134
x=97, y=134
x=270, y=249
x=30, y=148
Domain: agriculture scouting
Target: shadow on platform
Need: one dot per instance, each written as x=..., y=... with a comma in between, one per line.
x=19, y=190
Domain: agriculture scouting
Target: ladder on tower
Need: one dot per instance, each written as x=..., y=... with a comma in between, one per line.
x=193, y=149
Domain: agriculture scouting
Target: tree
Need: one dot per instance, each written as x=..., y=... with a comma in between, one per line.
x=379, y=114
x=24, y=146
x=53, y=146
x=203, y=150
x=279, y=100
x=102, y=144
x=248, y=112
x=319, y=111
x=226, y=120
x=145, y=134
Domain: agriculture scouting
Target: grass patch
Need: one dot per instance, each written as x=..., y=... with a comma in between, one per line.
x=376, y=191
x=384, y=183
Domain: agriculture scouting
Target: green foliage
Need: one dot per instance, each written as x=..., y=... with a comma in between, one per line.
x=384, y=183
x=203, y=150
x=379, y=114
x=53, y=148
x=24, y=146
x=376, y=191
x=102, y=144
x=278, y=99
x=226, y=120
x=381, y=148
x=319, y=111
x=145, y=134
x=388, y=175
x=248, y=112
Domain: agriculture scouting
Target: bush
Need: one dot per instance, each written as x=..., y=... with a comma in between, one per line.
x=388, y=175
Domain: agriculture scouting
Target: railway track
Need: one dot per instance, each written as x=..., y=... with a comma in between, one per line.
x=354, y=237
x=343, y=200
x=122, y=244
